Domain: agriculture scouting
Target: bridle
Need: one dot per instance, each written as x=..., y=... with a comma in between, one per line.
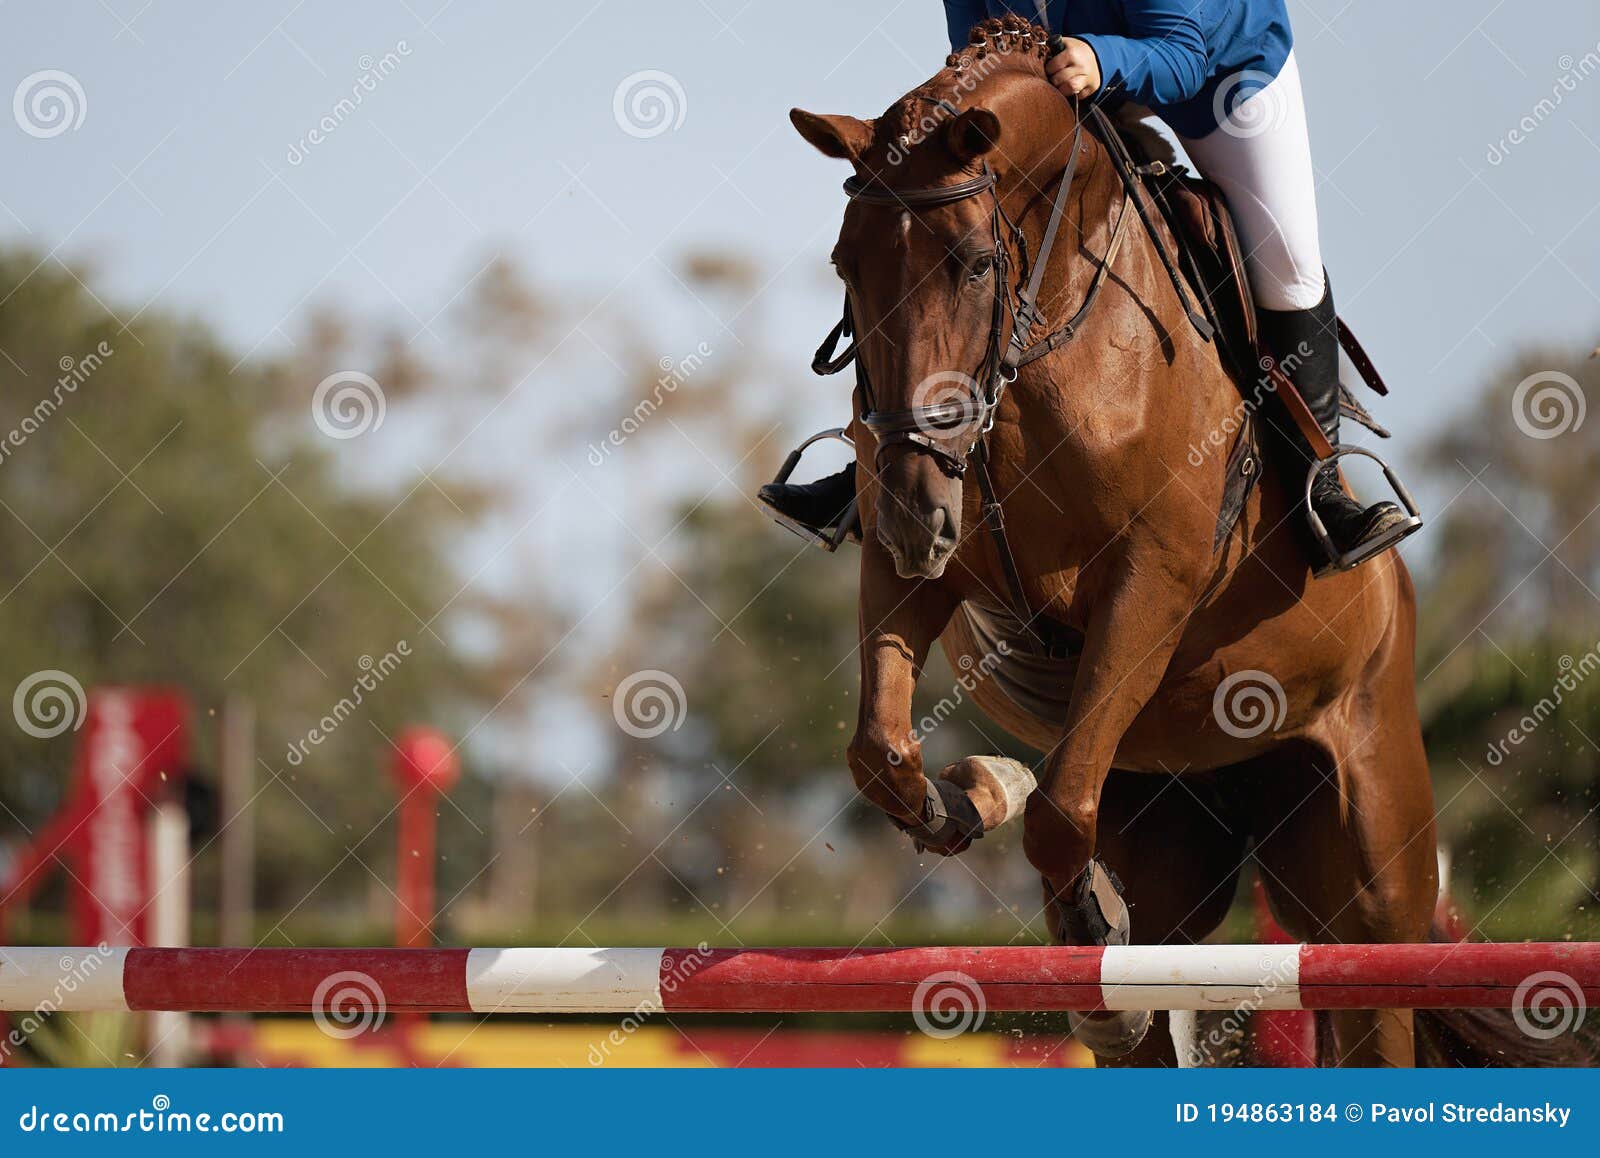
x=955, y=432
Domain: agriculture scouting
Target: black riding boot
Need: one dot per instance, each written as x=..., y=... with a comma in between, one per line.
x=818, y=505
x=1306, y=344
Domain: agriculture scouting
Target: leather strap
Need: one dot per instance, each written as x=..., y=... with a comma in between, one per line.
x=1054, y=639
x=1299, y=413
x=1358, y=359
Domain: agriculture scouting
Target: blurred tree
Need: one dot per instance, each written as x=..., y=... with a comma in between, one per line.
x=1509, y=652
x=173, y=514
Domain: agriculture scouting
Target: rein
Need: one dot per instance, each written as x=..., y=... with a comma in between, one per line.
x=932, y=428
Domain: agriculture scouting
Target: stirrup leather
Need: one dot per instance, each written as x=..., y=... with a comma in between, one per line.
x=1332, y=560
x=849, y=522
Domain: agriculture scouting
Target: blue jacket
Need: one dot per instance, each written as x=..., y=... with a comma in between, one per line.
x=1172, y=55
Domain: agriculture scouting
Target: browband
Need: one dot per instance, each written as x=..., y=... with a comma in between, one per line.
x=877, y=193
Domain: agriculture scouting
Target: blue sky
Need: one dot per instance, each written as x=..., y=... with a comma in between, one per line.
x=496, y=132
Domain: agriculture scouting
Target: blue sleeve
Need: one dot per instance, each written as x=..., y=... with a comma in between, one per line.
x=1162, y=60
x=960, y=16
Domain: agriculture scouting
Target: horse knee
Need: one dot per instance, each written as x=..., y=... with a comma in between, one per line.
x=883, y=771
x=1058, y=839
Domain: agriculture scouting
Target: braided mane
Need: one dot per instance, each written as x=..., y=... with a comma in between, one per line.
x=1008, y=43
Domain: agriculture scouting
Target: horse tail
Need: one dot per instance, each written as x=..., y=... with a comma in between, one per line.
x=1493, y=1038
x=1483, y=1038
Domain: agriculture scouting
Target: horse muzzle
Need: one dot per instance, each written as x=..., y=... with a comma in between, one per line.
x=918, y=515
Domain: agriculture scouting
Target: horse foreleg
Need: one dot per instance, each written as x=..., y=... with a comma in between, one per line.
x=900, y=620
x=1129, y=641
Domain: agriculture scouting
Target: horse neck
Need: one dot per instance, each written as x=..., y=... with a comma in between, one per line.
x=1087, y=227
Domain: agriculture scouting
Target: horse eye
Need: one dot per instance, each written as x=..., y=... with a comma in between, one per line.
x=981, y=268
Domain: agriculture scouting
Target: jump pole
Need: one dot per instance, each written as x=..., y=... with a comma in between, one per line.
x=570, y=980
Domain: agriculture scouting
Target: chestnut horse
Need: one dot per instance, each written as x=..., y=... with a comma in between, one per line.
x=1222, y=704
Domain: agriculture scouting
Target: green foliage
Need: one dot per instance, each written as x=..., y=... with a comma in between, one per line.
x=170, y=517
x=1509, y=672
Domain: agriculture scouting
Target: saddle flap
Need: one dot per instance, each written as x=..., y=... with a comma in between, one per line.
x=1200, y=217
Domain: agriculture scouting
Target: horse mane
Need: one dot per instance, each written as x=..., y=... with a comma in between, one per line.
x=1008, y=43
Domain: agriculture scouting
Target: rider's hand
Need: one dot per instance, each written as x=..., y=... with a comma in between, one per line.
x=1075, y=70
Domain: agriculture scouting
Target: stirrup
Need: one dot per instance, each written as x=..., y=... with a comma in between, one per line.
x=849, y=521
x=1333, y=561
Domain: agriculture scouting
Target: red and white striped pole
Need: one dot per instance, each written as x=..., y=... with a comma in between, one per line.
x=560, y=980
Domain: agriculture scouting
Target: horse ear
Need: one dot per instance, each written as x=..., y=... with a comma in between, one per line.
x=972, y=134
x=834, y=136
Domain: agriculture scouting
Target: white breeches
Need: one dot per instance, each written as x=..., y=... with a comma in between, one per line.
x=1261, y=159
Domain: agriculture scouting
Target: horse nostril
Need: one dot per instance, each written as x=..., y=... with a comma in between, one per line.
x=944, y=526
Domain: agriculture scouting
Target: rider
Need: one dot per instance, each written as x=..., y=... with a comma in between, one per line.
x=1222, y=74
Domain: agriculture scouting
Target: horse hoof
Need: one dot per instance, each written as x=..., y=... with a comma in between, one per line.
x=997, y=786
x=970, y=798
x=1110, y=1034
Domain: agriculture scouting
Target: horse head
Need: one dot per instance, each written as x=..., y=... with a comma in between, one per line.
x=946, y=182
